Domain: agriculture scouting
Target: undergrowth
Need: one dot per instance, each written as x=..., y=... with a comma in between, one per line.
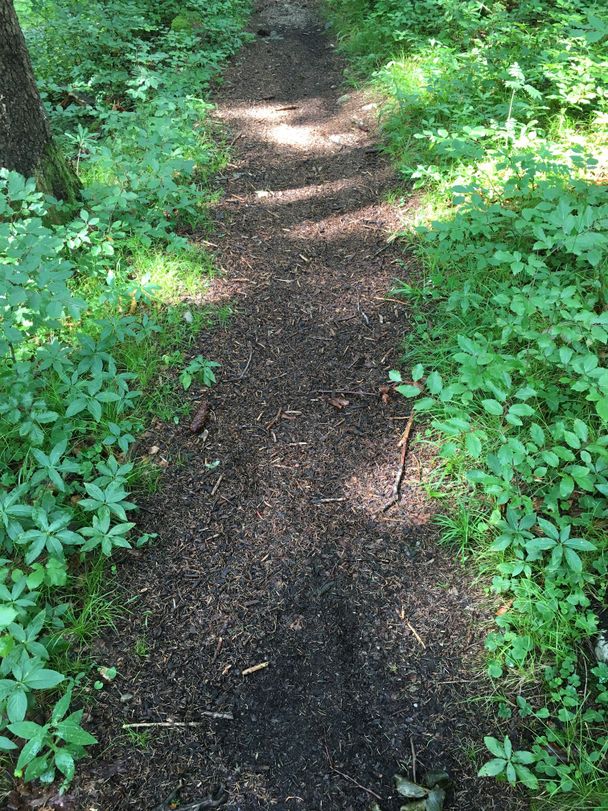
x=98, y=307
x=497, y=112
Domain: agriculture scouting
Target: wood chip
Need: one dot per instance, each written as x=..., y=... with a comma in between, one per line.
x=254, y=669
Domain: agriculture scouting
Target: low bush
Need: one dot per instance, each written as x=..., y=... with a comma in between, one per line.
x=91, y=315
x=498, y=112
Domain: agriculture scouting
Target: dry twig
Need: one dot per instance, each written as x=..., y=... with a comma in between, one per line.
x=226, y=716
x=403, y=443
x=254, y=669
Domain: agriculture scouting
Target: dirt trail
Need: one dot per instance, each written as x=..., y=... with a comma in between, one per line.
x=281, y=554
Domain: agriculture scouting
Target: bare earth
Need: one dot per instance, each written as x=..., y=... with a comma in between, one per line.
x=282, y=555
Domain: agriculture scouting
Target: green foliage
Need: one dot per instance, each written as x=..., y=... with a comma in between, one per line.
x=513, y=764
x=499, y=111
x=201, y=369
x=88, y=307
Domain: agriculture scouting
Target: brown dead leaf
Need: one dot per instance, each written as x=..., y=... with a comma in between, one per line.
x=339, y=402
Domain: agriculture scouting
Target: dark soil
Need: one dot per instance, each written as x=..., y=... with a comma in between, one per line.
x=281, y=554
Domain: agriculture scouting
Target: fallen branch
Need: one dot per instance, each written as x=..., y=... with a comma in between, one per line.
x=388, y=298
x=403, y=444
x=346, y=391
x=226, y=716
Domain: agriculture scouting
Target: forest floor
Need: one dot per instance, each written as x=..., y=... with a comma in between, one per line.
x=370, y=634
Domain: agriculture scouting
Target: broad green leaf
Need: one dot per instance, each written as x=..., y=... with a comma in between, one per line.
x=71, y=732
x=408, y=391
x=43, y=679
x=16, y=706
x=573, y=560
x=29, y=752
x=492, y=768
x=548, y=528
x=525, y=776
x=408, y=789
x=6, y=744
x=492, y=407
x=521, y=410
x=417, y=373
x=7, y=615
x=434, y=383
x=510, y=772
x=601, y=407
x=61, y=707
x=537, y=434
x=495, y=746
x=580, y=544
x=26, y=729
x=65, y=763
x=472, y=444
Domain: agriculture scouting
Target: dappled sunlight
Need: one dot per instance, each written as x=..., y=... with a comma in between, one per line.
x=369, y=488
x=270, y=197
x=341, y=225
x=301, y=136
x=173, y=277
x=307, y=124
x=252, y=111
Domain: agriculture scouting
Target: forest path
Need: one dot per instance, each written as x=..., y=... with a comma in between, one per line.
x=281, y=555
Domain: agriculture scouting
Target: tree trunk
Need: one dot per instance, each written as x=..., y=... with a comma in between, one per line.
x=26, y=143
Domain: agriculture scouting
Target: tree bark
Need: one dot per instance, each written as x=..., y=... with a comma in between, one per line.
x=26, y=143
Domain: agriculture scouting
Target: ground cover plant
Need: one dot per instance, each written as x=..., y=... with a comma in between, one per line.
x=497, y=113
x=95, y=315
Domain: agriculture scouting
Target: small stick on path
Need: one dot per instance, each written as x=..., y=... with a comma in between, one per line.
x=217, y=484
x=338, y=390
x=412, y=747
x=415, y=632
x=348, y=777
x=403, y=443
x=226, y=716
x=254, y=669
x=243, y=374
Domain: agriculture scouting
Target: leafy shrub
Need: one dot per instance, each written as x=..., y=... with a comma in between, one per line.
x=59, y=497
x=499, y=111
x=78, y=343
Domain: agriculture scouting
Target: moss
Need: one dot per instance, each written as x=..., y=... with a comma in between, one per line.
x=55, y=176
